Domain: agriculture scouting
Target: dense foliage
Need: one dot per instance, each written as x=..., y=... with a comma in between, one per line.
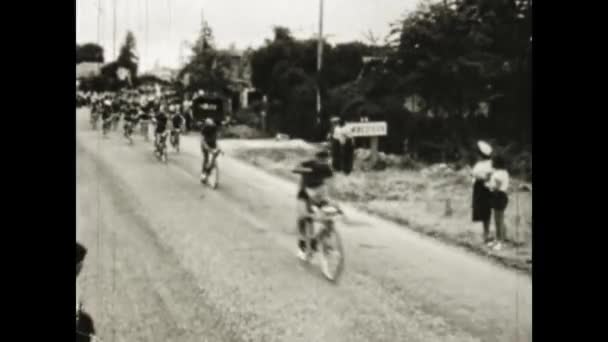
x=469, y=61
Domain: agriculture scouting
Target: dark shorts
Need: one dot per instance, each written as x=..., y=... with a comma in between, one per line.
x=500, y=200
x=211, y=143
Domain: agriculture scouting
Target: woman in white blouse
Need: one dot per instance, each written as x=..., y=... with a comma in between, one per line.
x=499, y=185
x=482, y=206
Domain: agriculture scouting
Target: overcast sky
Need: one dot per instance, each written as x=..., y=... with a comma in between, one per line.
x=242, y=22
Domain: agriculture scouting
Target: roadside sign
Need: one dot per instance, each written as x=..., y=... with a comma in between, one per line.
x=367, y=129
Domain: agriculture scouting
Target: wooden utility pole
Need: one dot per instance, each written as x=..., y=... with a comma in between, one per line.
x=319, y=60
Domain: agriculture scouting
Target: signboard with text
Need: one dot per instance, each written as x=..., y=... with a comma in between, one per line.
x=367, y=129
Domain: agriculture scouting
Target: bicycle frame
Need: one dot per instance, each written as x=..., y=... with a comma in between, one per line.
x=324, y=220
x=214, y=154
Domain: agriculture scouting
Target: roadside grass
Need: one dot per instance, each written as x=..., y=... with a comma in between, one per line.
x=433, y=200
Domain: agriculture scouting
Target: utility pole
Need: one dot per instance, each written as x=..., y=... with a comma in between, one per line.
x=99, y=22
x=147, y=41
x=114, y=30
x=319, y=60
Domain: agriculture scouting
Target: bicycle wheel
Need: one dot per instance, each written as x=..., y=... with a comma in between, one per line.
x=214, y=177
x=333, y=252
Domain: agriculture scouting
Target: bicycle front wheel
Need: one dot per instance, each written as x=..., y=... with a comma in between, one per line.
x=333, y=252
x=214, y=177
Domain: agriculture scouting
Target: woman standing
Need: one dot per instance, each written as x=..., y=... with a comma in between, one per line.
x=336, y=147
x=499, y=185
x=482, y=198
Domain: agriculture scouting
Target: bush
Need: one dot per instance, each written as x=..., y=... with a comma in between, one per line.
x=248, y=116
x=243, y=132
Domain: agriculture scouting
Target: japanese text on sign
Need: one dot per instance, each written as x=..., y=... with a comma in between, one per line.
x=367, y=129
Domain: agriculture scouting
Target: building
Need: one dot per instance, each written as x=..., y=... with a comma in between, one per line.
x=164, y=73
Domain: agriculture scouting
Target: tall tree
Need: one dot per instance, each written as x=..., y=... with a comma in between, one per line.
x=127, y=58
x=207, y=68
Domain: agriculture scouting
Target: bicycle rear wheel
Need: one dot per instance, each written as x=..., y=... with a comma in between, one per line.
x=333, y=252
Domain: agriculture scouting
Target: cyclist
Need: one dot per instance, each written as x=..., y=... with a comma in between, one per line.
x=312, y=194
x=116, y=111
x=95, y=110
x=160, y=121
x=178, y=121
x=209, y=131
x=145, y=116
x=106, y=115
x=130, y=118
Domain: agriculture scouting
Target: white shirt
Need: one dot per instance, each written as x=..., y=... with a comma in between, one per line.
x=482, y=170
x=499, y=181
x=341, y=134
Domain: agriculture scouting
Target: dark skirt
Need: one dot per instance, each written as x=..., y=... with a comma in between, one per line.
x=336, y=155
x=482, y=202
x=348, y=152
x=500, y=200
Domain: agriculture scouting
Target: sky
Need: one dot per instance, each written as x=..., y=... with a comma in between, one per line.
x=244, y=23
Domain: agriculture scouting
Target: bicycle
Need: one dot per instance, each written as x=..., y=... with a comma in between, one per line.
x=128, y=130
x=106, y=126
x=212, y=172
x=322, y=230
x=175, y=139
x=115, y=121
x=143, y=126
x=94, y=119
x=161, y=148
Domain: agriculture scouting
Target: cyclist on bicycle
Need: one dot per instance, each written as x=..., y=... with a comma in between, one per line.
x=160, y=121
x=209, y=131
x=312, y=194
x=145, y=115
x=116, y=112
x=130, y=118
x=106, y=114
x=178, y=121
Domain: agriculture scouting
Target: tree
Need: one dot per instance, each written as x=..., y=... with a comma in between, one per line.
x=207, y=68
x=89, y=52
x=462, y=52
x=127, y=58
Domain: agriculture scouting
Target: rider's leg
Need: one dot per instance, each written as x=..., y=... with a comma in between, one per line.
x=205, y=168
x=304, y=223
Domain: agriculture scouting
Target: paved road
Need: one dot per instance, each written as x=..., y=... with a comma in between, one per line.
x=170, y=260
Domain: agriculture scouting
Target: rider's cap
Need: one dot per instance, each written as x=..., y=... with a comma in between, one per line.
x=484, y=148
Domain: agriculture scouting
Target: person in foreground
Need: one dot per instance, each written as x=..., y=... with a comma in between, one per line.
x=85, y=327
x=312, y=195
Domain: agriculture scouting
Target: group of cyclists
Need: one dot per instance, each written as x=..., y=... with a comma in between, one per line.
x=170, y=115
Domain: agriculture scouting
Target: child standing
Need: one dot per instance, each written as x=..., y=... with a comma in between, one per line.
x=498, y=186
